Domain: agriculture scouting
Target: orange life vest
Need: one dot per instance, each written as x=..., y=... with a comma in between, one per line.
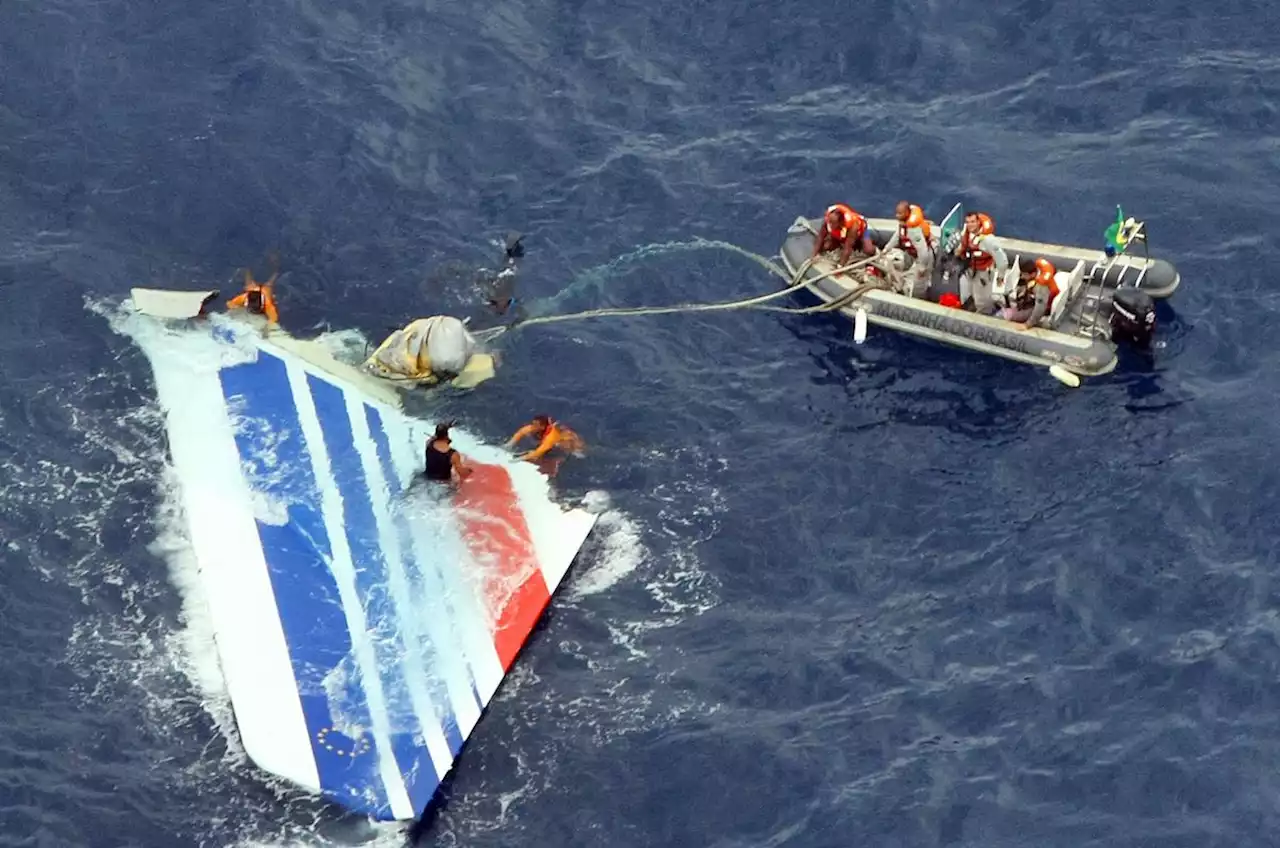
x=915, y=218
x=849, y=220
x=258, y=299
x=1045, y=277
x=555, y=435
x=971, y=251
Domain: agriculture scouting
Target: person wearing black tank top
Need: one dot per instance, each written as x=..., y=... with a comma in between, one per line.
x=441, y=459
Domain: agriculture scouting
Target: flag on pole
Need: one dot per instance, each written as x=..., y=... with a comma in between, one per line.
x=1115, y=235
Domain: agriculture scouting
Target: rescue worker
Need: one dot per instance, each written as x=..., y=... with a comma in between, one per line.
x=441, y=459
x=550, y=434
x=981, y=252
x=842, y=228
x=1043, y=290
x=499, y=289
x=915, y=238
x=257, y=297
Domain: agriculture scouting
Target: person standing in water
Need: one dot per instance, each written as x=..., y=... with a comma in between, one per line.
x=442, y=460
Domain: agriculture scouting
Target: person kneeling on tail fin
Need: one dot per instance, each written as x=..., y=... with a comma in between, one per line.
x=550, y=434
x=441, y=459
x=257, y=297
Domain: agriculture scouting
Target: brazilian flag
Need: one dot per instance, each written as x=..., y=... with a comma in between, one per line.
x=1122, y=235
x=1114, y=237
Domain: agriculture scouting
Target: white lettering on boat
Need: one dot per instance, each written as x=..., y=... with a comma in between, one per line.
x=955, y=327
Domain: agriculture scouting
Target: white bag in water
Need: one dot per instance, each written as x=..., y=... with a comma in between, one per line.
x=438, y=346
x=448, y=344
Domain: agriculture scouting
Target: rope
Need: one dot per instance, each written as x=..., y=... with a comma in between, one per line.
x=832, y=306
x=595, y=276
x=796, y=283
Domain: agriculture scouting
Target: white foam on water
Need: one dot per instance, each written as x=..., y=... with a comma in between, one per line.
x=132, y=647
x=195, y=651
x=129, y=655
x=658, y=582
x=615, y=558
x=377, y=835
x=617, y=551
x=349, y=346
x=688, y=512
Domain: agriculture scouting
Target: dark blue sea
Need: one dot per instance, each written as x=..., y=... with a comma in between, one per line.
x=886, y=594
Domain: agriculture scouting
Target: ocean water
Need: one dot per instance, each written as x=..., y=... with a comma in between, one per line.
x=880, y=594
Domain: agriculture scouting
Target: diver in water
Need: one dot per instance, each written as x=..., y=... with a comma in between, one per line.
x=498, y=288
x=494, y=288
x=549, y=434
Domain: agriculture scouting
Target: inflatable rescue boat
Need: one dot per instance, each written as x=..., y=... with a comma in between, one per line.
x=1105, y=297
x=363, y=616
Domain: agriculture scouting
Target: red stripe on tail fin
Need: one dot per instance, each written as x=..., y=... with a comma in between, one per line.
x=498, y=536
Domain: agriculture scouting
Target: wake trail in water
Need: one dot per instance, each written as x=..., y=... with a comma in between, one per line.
x=595, y=278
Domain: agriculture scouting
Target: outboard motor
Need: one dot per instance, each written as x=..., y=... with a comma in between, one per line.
x=1133, y=317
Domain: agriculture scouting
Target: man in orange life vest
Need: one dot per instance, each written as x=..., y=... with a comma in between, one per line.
x=1038, y=300
x=983, y=256
x=550, y=434
x=257, y=297
x=842, y=228
x=915, y=238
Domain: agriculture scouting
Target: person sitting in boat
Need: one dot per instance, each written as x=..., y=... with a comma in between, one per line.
x=983, y=257
x=550, y=434
x=1014, y=303
x=441, y=459
x=915, y=238
x=843, y=228
x=1042, y=289
x=257, y=297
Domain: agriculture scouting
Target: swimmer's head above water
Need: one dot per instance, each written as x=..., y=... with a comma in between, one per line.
x=499, y=288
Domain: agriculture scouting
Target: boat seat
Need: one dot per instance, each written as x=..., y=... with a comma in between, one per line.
x=1069, y=286
x=1010, y=281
